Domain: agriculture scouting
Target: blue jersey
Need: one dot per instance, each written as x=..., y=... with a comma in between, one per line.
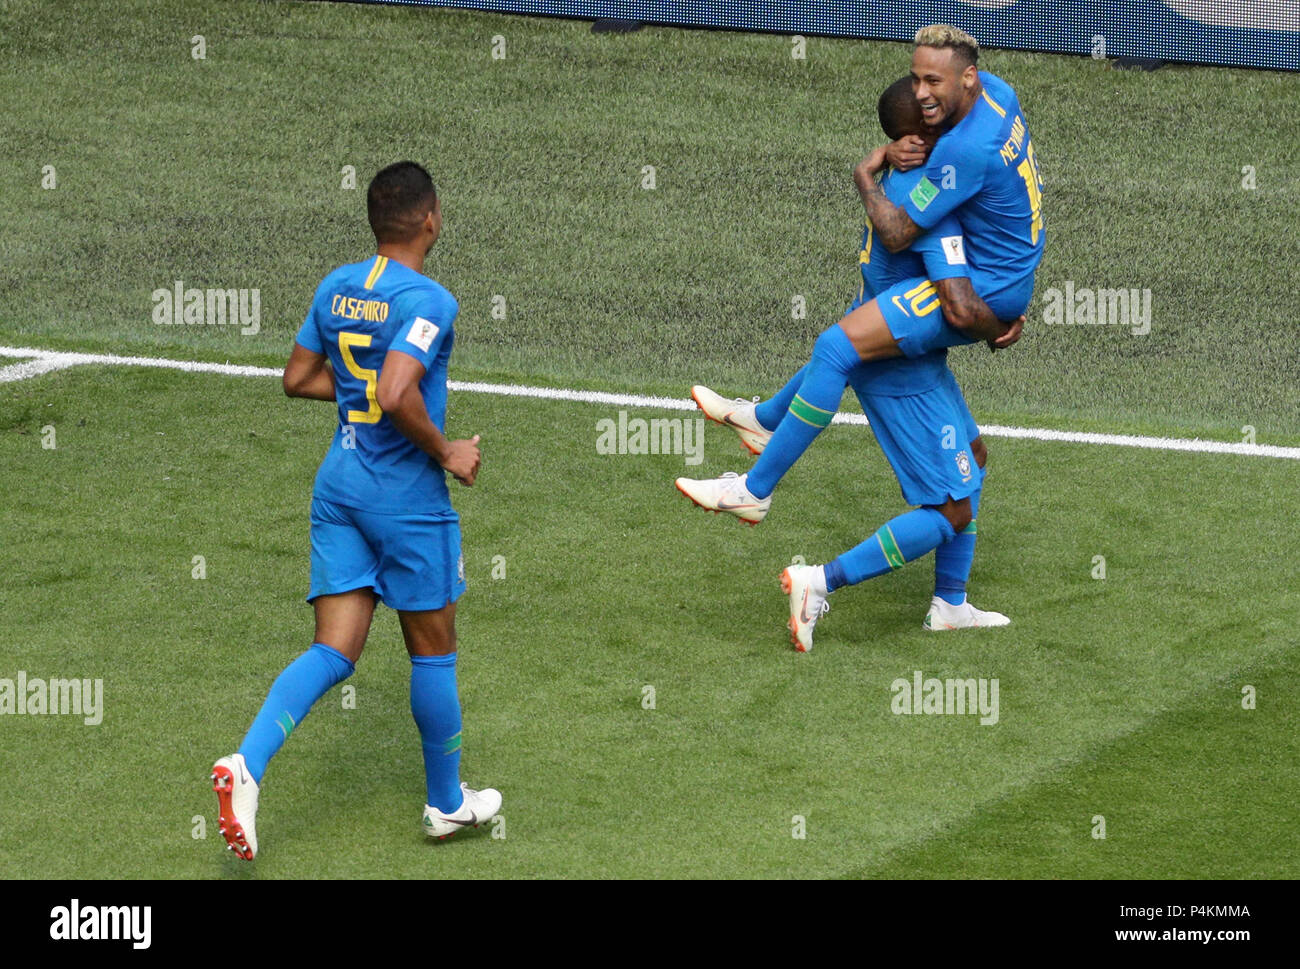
x=938, y=253
x=359, y=313
x=983, y=170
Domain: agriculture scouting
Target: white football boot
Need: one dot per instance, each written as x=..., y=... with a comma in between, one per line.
x=236, y=805
x=479, y=806
x=807, y=605
x=727, y=493
x=737, y=414
x=943, y=616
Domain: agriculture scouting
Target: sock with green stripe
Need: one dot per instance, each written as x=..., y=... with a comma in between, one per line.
x=811, y=409
x=770, y=412
x=899, y=541
x=435, y=705
x=301, y=684
x=952, y=561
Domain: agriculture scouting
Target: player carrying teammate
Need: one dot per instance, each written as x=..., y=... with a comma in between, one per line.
x=982, y=169
x=919, y=417
x=377, y=340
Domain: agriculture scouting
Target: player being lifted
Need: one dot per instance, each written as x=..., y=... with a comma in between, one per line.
x=377, y=340
x=919, y=417
x=982, y=168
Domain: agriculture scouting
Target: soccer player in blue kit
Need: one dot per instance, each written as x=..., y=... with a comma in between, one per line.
x=377, y=340
x=983, y=170
x=918, y=415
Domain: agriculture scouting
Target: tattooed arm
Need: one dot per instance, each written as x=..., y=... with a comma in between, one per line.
x=965, y=311
x=891, y=225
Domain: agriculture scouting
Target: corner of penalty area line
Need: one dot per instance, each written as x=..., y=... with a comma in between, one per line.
x=34, y=367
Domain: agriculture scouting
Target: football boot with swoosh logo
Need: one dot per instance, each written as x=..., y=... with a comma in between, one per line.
x=737, y=414
x=807, y=605
x=728, y=494
x=478, y=807
x=944, y=616
x=236, y=805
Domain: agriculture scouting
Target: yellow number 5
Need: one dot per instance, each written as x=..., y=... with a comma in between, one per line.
x=371, y=378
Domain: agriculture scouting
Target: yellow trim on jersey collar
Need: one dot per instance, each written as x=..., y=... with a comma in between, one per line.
x=993, y=104
x=377, y=270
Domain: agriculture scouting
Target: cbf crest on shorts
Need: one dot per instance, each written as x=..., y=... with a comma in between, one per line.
x=963, y=465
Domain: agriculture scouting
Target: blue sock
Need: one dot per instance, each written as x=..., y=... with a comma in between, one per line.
x=435, y=705
x=900, y=540
x=811, y=409
x=303, y=682
x=770, y=412
x=952, y=561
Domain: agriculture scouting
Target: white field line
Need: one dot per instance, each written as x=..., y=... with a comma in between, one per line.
x=45, y=361
x=27, y=369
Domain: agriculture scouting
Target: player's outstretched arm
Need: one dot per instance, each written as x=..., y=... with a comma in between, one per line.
x=398, y=396
x=308, y=374
x=892, y=226
x=965, y=311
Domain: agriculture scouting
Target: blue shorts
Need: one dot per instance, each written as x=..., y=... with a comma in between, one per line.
x=912, y=313
x=413, y=562
x=926, y=438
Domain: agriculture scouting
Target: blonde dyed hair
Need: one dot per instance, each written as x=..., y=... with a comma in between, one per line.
x=953, y=38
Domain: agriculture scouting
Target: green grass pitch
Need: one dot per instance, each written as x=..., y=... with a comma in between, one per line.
x=1120, y=697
